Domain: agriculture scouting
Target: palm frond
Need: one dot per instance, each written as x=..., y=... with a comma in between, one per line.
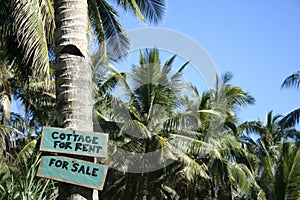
x=268, y=166
x=27, y=151
x=31, y=32
x=204, y=101
x=291, y=119
x=231, y=126
x=168, y=64
x=178, y=74
x=251, y=127
x=165, y=70
x=170, y=192
x=189, y=121
x=110, y=83
x=148, y=72
x=238, y=178
x=237, y=97
x=153, y=10
x=48, y=17
x=117, y=43
x=195, y=147
x=96, y=20
x=226, y=77
x=191, y=169
x=137, y=11
x=288, y=173
x=135, y=128
x=292, y=81
x=113, y=108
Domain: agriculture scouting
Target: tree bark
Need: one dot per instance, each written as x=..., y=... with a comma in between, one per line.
x=73, y=77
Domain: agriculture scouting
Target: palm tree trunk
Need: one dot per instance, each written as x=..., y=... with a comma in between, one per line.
x=73, y=76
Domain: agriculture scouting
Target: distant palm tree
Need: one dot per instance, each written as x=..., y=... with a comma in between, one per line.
x=225, y=98
x=229, y=98
x=287, y=174
x=150, y=101
x=151, y=109
x=223, y=156
x=292, y=81
x=274, y=155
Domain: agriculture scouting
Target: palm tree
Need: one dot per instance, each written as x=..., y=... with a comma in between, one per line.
x=151, y=93
x=273, y=154
x=24, y=54
x=159, y=122
x=225, y=157
x=287, y=174
x=228, y=98
x=73, y=69
x=270, y=135
x=293, y=117
x=32, y=24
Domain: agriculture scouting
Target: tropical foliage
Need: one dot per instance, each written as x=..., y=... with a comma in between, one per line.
x=197, y=147
x=30, y=36
x=206, y=160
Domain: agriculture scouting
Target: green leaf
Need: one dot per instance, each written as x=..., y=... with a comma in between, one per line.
x=27, y=150
x=34, y=24
x=117, y=43
x=292, y=81
x=293, y=178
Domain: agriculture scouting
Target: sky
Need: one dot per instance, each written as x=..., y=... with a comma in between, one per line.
x=258, y=41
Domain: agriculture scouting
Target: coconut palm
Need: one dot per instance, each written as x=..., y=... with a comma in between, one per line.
x=224, y=155
x=150, y=99
x=228, y=98
x=73, y=69
x=158, y=122
x=19, y=162
x=152, y=103
x=273, y=150
x=287, y=174
x=266, y=148
x=31, y=25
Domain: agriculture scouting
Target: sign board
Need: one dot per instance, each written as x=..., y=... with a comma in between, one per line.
x=74, y=142
x=73, y=171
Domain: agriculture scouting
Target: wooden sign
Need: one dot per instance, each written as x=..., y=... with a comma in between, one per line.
x=73, y=171
x=74, y=142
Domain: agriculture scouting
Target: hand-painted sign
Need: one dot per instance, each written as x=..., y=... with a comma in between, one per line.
x=73, y=171
x=74, y=142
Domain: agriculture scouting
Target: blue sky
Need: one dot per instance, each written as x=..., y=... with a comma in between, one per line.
x=258, y=41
